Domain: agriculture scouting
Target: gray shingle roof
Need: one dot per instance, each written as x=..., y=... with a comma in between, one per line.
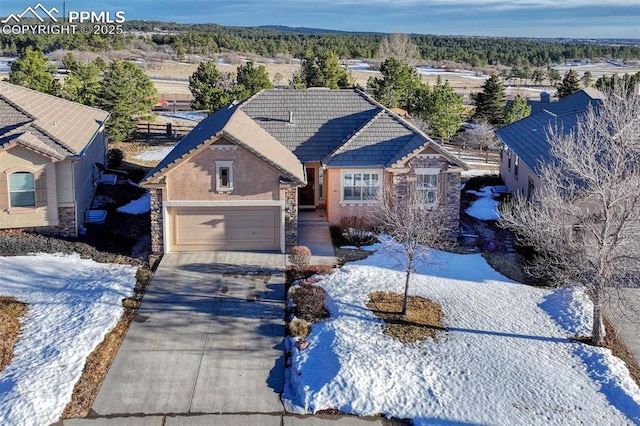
x=527, y=138
x=321, y=119
x=573, y=103
x=339, y=128
x=376, y=144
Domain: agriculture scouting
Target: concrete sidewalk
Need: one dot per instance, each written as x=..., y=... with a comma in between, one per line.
x=313, y=232
x=233, y=420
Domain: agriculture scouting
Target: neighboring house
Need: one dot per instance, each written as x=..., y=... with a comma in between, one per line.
x=48, y=150
x=238, y=180
x=525, y=142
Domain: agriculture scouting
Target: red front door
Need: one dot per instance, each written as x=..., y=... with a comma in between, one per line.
x=307, y=194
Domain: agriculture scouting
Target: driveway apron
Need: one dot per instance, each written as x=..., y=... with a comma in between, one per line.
x=208, y=338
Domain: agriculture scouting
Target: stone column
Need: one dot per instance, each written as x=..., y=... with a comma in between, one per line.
x=290, y=217
x=157, y=223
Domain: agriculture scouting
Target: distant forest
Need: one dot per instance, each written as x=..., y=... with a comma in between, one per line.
x=207, y=39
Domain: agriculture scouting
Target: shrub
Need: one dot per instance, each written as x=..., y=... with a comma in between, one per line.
x=299, y=328
x=299, y=257
x=310, y=301
x=356, y=230
x=115, y=157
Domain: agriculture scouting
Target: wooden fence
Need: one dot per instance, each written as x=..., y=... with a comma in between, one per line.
x=151, y=131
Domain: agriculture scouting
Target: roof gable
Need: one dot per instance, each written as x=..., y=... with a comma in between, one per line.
x=236, y=126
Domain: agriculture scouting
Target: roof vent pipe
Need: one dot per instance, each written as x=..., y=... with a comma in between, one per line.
x=290, y=117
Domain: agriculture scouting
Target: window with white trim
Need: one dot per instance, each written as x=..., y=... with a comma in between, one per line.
x=516, y=165
x=22, y=189
x=360, y=185
x=427, y=184
x=224, y=176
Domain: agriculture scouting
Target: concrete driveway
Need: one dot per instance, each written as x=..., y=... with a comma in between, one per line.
x=208, y=338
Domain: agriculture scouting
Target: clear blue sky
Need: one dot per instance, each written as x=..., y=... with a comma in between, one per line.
x=513, y=18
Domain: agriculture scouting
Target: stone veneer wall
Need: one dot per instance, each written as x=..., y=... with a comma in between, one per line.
x=290, y=217
x=450, y=200
x=67, y=225
x=157, y=223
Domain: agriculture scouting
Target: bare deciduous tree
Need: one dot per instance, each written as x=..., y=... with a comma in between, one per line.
x=399, y=46
x=584, y=222
x=480, y=136
x=414, y=225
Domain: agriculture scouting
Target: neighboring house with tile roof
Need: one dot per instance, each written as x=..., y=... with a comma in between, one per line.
x=48, y=150
x=526, y=146
x=238, y=180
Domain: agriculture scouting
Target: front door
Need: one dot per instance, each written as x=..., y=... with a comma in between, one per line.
x=307, y=194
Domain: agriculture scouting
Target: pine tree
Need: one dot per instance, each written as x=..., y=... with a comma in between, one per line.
x=251, y=79
x=490, y=102
x=33, y=70
x=211, y=89
x=323, y=70
x=82, y=84
x=570, y=84
x=127, y=93
x=398, y=86
x=444, y=111
x=516, y=110
x=587, y=79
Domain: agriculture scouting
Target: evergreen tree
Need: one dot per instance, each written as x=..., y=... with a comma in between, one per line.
x=398, y=86
x=444, y=111
x=537, y=76
x=251, y=79
x=628, y=84
x=553, y=75
x=570, y=84
x=211, y=89
x=323, y=70
x=82, y=84
x=490, y=102
x=587, y=79
x=127, y=92
x=516, y=110
x=33, y=70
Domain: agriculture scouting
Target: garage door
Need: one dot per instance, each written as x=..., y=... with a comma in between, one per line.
x=225, y=228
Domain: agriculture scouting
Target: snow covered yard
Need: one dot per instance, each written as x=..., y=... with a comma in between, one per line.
x=505, y=359
x=73, y=304
x=486, y=206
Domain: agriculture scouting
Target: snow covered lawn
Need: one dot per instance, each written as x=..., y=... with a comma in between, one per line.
x=73, y=303
x=486, y=206
x=506, y=358
x=154, y=153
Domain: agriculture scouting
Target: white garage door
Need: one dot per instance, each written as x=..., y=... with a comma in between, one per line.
x=225, y=228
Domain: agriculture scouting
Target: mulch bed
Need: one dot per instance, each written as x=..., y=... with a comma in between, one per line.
x=96, y=369
x=11, y=310
x=423, y=318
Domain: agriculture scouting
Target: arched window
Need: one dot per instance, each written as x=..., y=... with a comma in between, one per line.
x=22, y=189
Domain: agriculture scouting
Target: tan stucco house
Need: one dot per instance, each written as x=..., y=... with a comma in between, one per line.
x=48, y=150
x=526, y=147
x=238, y=180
